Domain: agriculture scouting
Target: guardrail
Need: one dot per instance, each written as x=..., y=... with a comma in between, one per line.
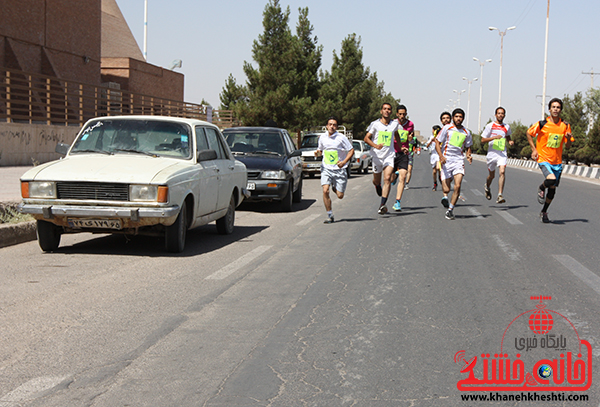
x=35, y=98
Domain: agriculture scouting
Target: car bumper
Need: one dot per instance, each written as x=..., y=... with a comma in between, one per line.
x=267, y=189
x=313, y=167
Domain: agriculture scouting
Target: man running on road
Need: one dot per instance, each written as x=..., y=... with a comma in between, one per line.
x=496, y=134
x=408, y=126
x=434, y=158
x=449, y=143
x=402, y=158
x=552, y=134
x=379, y=136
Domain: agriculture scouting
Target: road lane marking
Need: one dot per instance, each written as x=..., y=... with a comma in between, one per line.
x=475, y=213
x=509, y=218
x=27, y=391
x=477, y=192
x=584, y=274
x=237, y=264
x=307, y=220
x=506, y=248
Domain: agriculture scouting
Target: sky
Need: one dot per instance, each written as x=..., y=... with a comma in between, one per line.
x=420, y=49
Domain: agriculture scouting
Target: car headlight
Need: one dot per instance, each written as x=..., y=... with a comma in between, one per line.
x=41, y=189
x=273, y=174
x=147, y=193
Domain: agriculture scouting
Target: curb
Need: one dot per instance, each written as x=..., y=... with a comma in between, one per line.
x=15, y=233
x=577, y=170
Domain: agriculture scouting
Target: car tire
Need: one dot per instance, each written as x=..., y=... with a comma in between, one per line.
x=297, y=198
x=366, y=169
x=349, y=171
x=286, y=202
x=225, y=224
x=176, y=233
x=48, y=235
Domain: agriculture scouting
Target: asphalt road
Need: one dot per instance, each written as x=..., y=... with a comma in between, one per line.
x=287, y=311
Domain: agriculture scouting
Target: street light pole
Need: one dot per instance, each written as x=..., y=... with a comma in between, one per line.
x=469, y=100
x=481, y=64
x=146, y=30
x=545, y=63
x=502, y=34
x=459, y=93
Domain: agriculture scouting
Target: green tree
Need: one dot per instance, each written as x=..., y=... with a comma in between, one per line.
x=519, y=136
x=232, y=94
x=574, y=113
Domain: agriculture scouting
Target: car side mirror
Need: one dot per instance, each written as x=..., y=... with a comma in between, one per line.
x=206, y=155
x=62, y=148
x=296, y=153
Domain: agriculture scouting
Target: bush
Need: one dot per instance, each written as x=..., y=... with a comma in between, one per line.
x=586, y=155
x=526, y=152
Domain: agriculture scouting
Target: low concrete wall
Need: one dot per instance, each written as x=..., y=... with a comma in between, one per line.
x=26, y=144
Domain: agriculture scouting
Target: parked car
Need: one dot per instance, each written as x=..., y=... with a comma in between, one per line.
x=311, y=164
x=274, y=165
x=362, y=156
x=136, y=175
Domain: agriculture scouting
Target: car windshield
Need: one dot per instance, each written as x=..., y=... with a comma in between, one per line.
x=127, y=136
x=254, y=143
x=310, y=141
x=356, y=146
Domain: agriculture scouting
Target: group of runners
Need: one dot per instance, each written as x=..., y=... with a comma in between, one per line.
x=392, y=149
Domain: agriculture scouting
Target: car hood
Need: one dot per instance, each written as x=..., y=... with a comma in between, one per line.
x=262, y=162
x=126, y=168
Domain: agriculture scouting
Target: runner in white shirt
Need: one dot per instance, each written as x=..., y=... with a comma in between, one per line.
x=496, y=134
x=337, y=152
x=380, y=135
x=434, y=158
x=449, y=143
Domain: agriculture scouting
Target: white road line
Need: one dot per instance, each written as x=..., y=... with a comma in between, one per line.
x=307, y=220
x=584, y=274
x=477, y=192
x=27, y=391
x=506, y=248
x=476, y=213
x=509, y=218
x=238, y=264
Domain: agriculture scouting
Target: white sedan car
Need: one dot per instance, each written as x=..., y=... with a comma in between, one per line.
x=362, y=156
x=136, y=175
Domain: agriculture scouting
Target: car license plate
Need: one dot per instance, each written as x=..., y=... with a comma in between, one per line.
x=251, y=186
x=95, y=223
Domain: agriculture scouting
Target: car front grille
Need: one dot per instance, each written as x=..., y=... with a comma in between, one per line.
x=253, y=174
x=95, y=191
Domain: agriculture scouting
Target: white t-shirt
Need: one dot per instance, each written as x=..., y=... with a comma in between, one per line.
x=382, y=134
x=453, y=141
x=496, y=147
x=335, y=148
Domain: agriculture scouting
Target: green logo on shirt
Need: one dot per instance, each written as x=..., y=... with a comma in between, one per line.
x=331, y=157
x=385, y=138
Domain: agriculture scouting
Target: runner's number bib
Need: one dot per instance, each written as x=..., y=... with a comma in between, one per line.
x=457, y=139
x=385, y=138
x=499, y=144
x=403, y=136
x=554, y=140
x=330, y=157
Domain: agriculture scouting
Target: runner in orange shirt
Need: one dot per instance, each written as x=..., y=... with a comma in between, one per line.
x=552, y=134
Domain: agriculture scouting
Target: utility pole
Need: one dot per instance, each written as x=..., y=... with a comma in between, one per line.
x=146, y=30
x=545, y=62
x=592, y=73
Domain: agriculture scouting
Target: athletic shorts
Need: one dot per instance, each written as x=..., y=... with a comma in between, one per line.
x=434, y=159
x=338, y=177
x=548, y=169
x=496, y=161
x=411, y=156
x=401, y=162
x=451, y=168
x=379, y=164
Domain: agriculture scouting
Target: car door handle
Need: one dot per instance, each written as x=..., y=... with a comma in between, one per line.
x=216, y=169
x=231, y=167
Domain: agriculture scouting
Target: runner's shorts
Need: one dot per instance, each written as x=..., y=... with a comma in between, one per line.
x=401, y=161
x=337, y=177
x=451, y=168
x=548, y=169
x=379, y=164
x=434, y=159
x=496, y=161
x=411, y=156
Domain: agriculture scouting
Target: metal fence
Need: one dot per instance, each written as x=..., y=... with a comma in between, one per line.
x=35, y=98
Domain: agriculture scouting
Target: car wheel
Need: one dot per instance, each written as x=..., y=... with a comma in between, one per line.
x=366, y=169
x=48, y=235
x=286, y=202
x=225, y=224
x=175, y=234
x=349, y=171
x=298, y=194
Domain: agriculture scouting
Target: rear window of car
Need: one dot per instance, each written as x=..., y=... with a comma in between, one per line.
x=254, y=142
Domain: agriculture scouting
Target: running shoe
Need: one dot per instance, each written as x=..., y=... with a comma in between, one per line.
x=378, y=189
x=406, y=186
x=445, y=202
x=397, y=207
x=488, y=193
x=544, y=217
x=434, y=187
x=396, y=176
x=500, y=199
x=450, y=214
x=328, y=220
x=541, y=196
x=382, y=210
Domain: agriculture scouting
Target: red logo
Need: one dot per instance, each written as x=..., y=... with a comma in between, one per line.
x=540, y=350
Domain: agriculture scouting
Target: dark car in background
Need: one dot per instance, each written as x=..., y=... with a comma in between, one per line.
x=274, y=165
